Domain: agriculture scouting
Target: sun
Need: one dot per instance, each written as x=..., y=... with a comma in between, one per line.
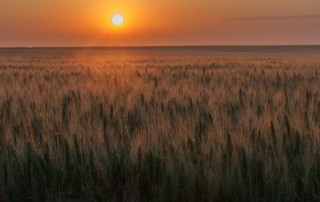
x=117, y=20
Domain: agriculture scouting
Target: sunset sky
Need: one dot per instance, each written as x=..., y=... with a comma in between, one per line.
x=159, y=22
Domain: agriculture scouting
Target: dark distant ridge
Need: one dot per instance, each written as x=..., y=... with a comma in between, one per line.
x=227, y=48
x=164, y=46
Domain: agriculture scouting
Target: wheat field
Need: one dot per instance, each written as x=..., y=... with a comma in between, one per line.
x=159, y=125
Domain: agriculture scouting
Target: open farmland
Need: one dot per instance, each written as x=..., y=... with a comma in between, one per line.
x=160, y=124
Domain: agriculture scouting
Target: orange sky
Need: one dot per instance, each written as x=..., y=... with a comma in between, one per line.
x=159, y=22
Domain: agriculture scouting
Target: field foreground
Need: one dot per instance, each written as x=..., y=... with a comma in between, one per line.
x=159, y=125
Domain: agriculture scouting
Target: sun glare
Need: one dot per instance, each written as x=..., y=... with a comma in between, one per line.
x=117, y=19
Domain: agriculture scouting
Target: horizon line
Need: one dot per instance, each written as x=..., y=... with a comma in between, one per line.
x=158, y=46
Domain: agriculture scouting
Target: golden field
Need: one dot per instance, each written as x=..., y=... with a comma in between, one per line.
x=159, y=125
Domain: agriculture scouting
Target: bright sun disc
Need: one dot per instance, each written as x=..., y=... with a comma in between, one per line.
x=117, y=20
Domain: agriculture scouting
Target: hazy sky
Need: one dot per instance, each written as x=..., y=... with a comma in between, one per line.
x=159, y=22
